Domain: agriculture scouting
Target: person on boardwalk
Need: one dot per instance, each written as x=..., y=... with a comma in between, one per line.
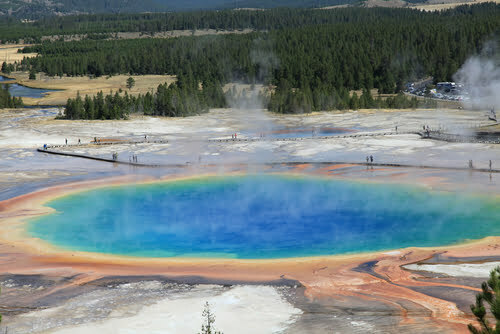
x=371, y=158
x=367, y=159
x=79, y=141
x=66, y=141
x=490, y=165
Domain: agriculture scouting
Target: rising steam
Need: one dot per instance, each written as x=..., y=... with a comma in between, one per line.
x=481, y=78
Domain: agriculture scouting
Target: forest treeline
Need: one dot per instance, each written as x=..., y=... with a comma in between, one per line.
x=13, y=30
x=380, y=53
x=312, y=61
x=8, y=101
x=312, y=66
x=298, y=101
x=182, y=98
x=36, y=9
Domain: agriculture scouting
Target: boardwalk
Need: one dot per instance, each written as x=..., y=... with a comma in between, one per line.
x=454, y=138
x=275, y=163
x=438, y=135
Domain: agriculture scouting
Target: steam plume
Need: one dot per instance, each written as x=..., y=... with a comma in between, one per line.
x=481, y=78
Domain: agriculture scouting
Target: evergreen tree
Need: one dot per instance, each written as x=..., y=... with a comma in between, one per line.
x=89, y=108
x=208, y=321
x=490, y=295
x=5, y=68
x=354, y=102
x=366, y=100
x=130, y=83
x=8, y=101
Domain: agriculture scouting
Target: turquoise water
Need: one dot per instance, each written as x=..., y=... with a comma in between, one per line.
x=23, y=91
x=266, y=216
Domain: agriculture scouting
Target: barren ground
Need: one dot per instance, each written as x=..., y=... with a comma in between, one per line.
x=8, y=53
x=70, y=292
x=433, y=5
x=161, y=34
x=69, y=86
x=430, y=5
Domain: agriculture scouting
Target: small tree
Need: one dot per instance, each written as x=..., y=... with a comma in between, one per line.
x=490, y=294
x=32, y=75
x=208, y=321
x=354, y=102
x=130, y=83
x=5, y=68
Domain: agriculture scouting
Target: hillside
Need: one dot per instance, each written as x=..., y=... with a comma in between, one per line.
x=33, y=9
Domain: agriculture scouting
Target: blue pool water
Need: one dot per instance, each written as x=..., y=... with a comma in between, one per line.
x=23, y=91
x=302, y=132
x=267, y=216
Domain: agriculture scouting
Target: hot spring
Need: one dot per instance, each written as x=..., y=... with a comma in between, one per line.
x=263, y=216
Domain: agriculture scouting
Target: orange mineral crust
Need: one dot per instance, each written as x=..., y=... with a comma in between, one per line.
x=378, y=277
